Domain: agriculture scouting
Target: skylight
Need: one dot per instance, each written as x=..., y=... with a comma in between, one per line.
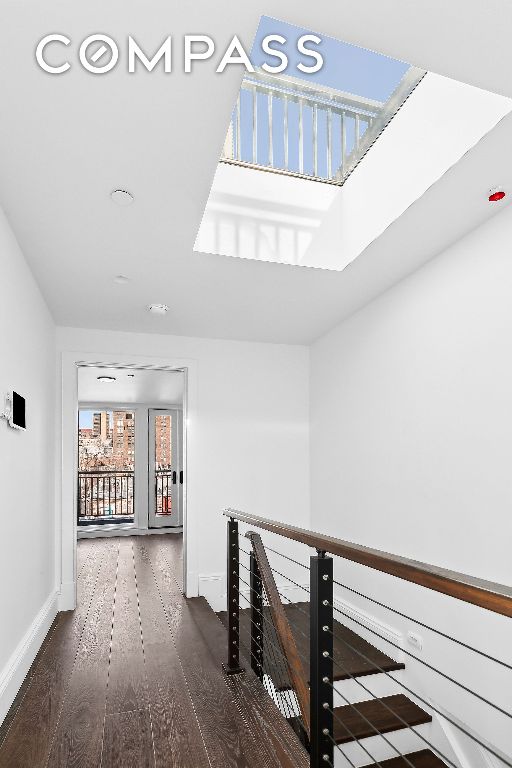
x=376, y=131
x=316, y=125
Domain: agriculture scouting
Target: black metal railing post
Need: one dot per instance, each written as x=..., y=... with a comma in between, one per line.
x=233, y=608
x=256, y=618
x=321, y=666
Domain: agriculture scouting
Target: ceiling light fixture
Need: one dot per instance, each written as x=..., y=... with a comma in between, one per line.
x=121, y=197
x=496, y=194
x=106, y=379
x=121, y=279
x=158, y=309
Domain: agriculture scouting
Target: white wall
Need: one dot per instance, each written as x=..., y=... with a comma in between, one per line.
x=247, y=431
x=411, y=448
x=441, y=121
x=27, y=567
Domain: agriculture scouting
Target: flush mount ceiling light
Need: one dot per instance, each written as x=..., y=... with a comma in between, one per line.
x=131, y=375
x=496, y=194
x=121, y=279
x=158, y=309
x=106, y=379
x=121, y=197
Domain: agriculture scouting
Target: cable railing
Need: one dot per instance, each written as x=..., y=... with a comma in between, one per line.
x=352, y=692
x=297, y=127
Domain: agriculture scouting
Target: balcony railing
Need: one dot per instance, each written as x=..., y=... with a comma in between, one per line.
x=105, y=496
x=164, y=481
x=291, y=126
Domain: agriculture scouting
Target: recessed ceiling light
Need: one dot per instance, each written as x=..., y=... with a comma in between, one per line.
x=158, y=309
x=106, y=379
x=496, y=194
x=121, y=197
x=121, y=279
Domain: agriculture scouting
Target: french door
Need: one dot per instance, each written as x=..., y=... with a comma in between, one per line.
x=165, y=475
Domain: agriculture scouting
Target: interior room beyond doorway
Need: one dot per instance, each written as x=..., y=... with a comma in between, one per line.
x=130, y=474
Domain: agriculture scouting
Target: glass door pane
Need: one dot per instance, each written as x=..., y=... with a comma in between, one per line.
x=164, y=468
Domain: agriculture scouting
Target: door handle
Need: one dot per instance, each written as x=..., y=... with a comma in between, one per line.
x=174, y=478
x=181, y=477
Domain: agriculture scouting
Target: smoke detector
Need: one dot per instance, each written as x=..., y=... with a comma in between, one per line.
x=121, y=197
x=158, y=309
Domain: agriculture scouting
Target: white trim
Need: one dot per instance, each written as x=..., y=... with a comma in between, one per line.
x=369, y=621
x=212, y=587
x=17, y=667
x=67, y=596
x=465, y=750
x=103, y=531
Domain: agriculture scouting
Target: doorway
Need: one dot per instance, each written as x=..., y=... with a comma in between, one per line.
x=130, y=463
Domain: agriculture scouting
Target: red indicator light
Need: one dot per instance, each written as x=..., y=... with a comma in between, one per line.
x=495, y=196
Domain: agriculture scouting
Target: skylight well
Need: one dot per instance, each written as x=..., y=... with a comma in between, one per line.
x=377, y=132
x=319, y=125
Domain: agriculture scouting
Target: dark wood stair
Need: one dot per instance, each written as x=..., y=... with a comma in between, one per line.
x=423, y=759
x=354, y=656
x=351, y=720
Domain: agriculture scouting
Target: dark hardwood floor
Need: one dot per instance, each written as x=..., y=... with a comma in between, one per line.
x=132, y=678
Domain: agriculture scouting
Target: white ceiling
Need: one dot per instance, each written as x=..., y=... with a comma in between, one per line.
x=67, y=141
x=164, y=388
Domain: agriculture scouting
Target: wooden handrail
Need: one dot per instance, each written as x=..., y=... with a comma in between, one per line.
x=485, y=594
x=283, y=629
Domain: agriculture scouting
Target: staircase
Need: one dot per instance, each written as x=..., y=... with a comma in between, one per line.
x=348, y=701
x=354, y=658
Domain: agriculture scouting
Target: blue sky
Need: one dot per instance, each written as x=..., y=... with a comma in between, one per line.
x=346, y=67
x=85, y=419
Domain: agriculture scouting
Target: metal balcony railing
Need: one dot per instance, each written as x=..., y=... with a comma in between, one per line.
x=105, y=496
x=164, y=481
x=291, y=126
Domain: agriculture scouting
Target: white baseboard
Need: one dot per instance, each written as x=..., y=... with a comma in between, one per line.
x=362, y=621
x=67, y=596
x=213, y=588
x=17, y=667
x=102, y=532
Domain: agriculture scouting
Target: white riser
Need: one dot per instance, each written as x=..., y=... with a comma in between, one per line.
x=380, y=685
x=350, y=692
x=405, y=741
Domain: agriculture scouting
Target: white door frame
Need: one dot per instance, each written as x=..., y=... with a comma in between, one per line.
x=66, y=522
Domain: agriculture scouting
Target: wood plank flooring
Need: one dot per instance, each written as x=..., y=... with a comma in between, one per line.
x=132, y=678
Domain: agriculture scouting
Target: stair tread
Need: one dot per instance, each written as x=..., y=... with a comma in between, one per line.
x=354, y=656
x=423, y=759
x=377, y=713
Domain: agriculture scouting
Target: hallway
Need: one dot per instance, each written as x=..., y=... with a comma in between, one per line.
x=133, y=677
